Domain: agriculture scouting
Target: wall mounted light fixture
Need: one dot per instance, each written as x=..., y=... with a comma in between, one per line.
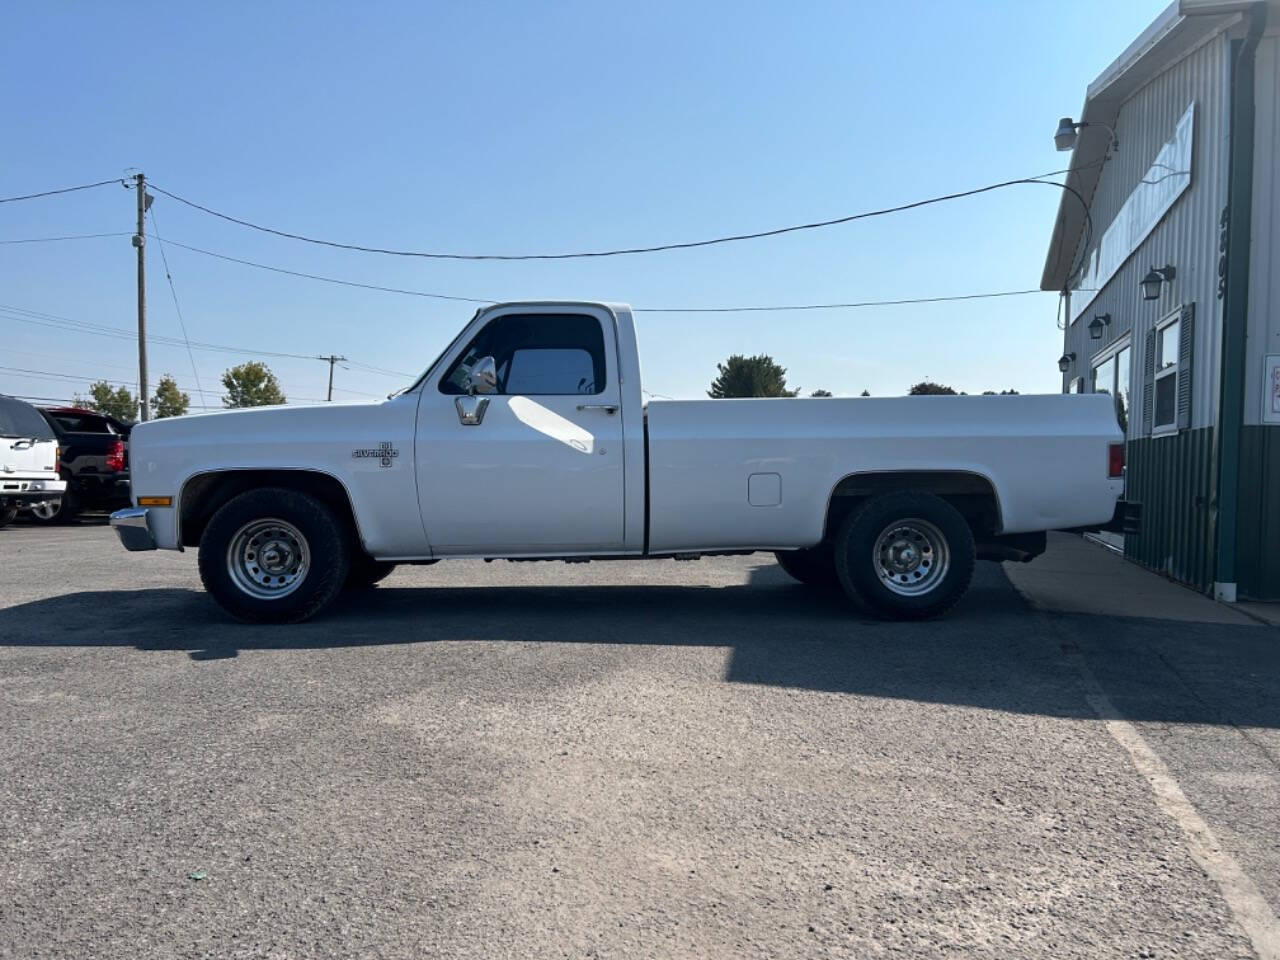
x=1155, y=279
x=1065, y=361
x=1098, y=324
x=1064, y=138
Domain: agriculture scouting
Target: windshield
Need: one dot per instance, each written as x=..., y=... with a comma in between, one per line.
x=18, y=419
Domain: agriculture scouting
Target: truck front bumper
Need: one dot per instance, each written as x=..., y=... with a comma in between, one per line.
x=133, y=528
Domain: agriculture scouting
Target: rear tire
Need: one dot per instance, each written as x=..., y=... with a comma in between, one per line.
x=815, y=567
x=908, y=556
x=366, y=572
x=274, y=556
x=6, y=515
x=63, y=510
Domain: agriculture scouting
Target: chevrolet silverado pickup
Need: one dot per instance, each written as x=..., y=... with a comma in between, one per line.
x=528, y=438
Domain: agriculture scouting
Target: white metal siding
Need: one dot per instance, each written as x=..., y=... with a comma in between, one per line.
x=1264, y=261
x=1187, y=237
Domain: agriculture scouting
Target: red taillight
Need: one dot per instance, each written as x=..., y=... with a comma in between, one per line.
x=115, y=457
x=57, y=459
x=1115, y=460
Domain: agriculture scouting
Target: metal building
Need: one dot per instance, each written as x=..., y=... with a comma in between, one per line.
x=1166, y=250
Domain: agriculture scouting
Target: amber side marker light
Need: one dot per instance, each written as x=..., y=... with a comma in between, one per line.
x=155, y=501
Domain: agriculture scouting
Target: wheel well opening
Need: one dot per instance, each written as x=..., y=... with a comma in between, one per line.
x=971, y=494
x=205, y=493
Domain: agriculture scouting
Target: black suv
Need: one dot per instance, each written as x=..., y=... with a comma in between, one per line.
x=95, y=462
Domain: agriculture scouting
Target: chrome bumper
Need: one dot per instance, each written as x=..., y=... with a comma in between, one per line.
x=23, y=490
x=132, y=528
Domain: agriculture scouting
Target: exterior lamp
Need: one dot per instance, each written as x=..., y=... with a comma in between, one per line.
x=1064, y=138
x=1065, y=361
x=1154, y=280
x=1098, y=324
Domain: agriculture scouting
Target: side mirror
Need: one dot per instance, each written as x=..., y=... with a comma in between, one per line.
x=483, y=377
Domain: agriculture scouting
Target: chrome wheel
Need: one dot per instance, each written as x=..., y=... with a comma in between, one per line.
x=47, y=510
x=268, y=559
x=911, y=557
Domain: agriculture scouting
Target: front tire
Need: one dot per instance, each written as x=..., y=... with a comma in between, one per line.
x=274, y=556
x=6, y=515
x=908, y=556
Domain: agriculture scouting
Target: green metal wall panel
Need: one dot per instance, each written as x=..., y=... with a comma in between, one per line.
x=1172, y=478
x=1258, y=529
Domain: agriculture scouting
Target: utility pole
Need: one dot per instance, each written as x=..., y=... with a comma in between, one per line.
x=139, y=242
x=331, y=360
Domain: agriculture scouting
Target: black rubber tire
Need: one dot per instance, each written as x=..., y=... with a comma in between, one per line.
x=6, y=515
x=327, y=541
x=815, y=567
x=855, y=565
x=365, y=571
x=68, y=509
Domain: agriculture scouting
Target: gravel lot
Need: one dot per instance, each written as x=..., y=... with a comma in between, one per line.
x=608, y=760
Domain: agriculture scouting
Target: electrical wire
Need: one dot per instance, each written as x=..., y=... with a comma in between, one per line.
x=78, y=236
x=324, y=279
x=51, y=193
x=177, y=309
x=626, y=251
x=746, y=309
x=838, y=306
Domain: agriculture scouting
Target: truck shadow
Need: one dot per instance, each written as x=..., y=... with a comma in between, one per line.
x=992, y=652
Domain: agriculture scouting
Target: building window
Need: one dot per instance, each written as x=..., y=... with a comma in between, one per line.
x=1111, y=376
x=1166, y=374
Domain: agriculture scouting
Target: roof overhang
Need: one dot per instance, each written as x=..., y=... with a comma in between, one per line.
x=1179, y=29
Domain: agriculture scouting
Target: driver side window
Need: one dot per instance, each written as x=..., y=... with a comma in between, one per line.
x=536, y=355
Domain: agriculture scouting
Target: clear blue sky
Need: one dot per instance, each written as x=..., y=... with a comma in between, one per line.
x=509, y=127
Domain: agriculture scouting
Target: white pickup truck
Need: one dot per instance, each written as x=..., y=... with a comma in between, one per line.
x=529, y=438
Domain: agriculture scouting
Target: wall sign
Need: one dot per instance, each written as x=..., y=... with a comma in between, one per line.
x=1271, y=389
x=1163, y=183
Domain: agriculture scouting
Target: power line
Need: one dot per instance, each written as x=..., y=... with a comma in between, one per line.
x=626, y=251
x=77, y=236
x=746, y=309
x=50, y=193
x=55, y=321
x=324, y=279
x=48, y=319
x=838, y=306
x=173, y=290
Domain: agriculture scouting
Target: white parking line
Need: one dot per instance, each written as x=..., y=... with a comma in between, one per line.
x=1249, y=907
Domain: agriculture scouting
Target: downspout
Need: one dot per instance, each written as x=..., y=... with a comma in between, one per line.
x=1235, y=303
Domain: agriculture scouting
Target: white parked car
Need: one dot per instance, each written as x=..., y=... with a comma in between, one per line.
x=529, y=438
x=28, y=461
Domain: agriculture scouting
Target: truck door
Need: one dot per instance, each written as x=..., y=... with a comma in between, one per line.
x=535, y=466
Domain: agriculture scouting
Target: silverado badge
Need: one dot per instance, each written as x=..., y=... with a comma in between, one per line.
x=384, y=452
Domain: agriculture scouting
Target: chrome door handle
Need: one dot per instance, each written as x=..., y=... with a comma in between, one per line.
x=471, y=410
x=609, y=408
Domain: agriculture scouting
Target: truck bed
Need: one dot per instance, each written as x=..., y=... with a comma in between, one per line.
x=752, y=468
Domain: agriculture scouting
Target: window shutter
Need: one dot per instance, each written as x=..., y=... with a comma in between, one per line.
x=1186, y=351
x=1149, y=383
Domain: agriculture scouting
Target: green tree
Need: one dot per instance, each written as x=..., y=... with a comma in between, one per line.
x=1002, y=393
x=251, y=384
x=758, y=376
x=822, y=393
x=169, y=401
x=865, y=393
x=115, y=402
x=929, y=388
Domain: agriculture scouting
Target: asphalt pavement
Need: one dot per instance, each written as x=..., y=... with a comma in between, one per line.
x=621, y=759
